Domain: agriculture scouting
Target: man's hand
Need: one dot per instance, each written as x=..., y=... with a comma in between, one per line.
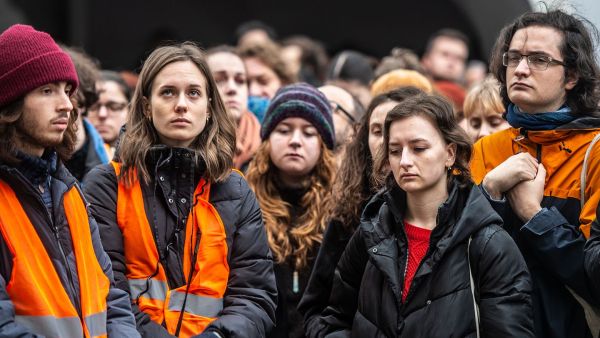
x=526, y=197
x=515, y=169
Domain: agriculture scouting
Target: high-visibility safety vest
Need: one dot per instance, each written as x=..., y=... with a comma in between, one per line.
x=148, y=286
x=40, y=300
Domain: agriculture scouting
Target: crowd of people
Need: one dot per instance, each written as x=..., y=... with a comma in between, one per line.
x=263, y=190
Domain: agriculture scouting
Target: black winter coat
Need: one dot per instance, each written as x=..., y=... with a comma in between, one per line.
x=250, y=299
x=366, y=295
x=316, y=295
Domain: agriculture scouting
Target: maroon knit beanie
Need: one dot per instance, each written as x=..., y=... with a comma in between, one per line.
x=30, y=59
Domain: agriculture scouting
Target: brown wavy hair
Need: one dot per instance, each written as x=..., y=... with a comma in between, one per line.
x=441, y=114
x=215, y=144
x=10, y=118
x=287, y=241
x=354, y=183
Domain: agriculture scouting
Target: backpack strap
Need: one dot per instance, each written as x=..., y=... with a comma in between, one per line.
x=584, y=169
x=475, y=305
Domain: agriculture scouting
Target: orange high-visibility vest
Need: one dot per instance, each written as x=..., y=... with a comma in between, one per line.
x=148, y=286
x=40, y=300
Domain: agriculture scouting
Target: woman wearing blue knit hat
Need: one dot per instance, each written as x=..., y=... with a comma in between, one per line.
x=291, y=174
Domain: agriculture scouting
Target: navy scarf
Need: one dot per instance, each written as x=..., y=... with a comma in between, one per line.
x=539, y=121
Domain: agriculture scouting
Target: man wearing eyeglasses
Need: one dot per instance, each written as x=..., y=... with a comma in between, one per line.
x=531, y=172
x=346, y=114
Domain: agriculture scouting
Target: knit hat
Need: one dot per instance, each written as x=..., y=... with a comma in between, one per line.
x=30, y=59
x=400, y=78
x=304, y=101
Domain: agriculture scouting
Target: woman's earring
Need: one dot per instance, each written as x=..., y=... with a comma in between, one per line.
x=207, y=117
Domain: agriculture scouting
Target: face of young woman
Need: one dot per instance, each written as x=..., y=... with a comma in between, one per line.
x=295, y=147
x=230, y=75
x=418, y=155
x=376, y=126
x=178, y=103
x=484, y=122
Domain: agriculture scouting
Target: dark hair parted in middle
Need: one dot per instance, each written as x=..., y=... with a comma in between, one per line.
x=215, y=144
x=439, y=112
x=577, y=51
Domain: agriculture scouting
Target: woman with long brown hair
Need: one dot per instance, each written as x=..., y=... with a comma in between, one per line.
x=352, y=188
x=183, y=230
x=291, y=174
x=430, y=257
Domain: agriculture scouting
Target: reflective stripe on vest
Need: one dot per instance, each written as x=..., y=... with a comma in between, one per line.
x=149, y=288
x=35, y=289
x=51, y=326
x=198, y=305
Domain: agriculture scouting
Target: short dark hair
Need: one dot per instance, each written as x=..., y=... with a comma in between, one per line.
x=248, y=26
x=446, y=33
x=109, y=75
x=577, y=51
x=440, y=112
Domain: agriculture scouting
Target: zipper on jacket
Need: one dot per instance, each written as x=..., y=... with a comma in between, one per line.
x=54, y=229
x=63, y=255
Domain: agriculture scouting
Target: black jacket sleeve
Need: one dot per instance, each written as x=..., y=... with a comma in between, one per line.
x=338, y=316
x=592, y=256
x=101, y=192
x=503, y=285
x=317, y=292
x=559, y=246
x=250, y=299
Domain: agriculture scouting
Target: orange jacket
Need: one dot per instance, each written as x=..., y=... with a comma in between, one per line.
x=35, y=289
x=561, y=151
x=205, y=237
x=553, y=241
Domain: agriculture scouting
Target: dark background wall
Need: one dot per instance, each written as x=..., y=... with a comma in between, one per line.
x=120, y=33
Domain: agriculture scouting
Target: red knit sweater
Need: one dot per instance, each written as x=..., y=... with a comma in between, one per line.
x=418, y=243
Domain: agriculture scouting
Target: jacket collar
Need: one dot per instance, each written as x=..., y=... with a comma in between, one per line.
x=173, y=160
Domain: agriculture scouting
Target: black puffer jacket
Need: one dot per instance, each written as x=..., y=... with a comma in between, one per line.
x=366, y=294
x=250, y=299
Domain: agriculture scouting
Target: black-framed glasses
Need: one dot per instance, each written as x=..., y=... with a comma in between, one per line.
x=337, y=106
x=112, y=107
x=534, y=61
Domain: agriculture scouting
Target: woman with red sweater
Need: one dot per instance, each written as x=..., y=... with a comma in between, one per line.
x=430, y=258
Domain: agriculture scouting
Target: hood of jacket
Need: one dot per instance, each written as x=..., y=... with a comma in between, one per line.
x=465, y=211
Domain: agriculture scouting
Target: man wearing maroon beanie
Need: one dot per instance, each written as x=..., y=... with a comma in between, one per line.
x=55, y=278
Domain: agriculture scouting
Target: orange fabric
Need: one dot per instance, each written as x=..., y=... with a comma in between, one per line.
x=562, y=153
x=35, y=288
x=211, y=271
x=248, y=139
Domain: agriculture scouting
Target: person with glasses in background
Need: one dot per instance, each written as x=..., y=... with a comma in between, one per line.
x=109, y=113
x=347, y=111
x=531, y=172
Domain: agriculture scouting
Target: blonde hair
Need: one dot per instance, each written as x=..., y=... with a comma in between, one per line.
x=484, y=97
x=215, y=144
x=400, y=78
x=284, y=240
